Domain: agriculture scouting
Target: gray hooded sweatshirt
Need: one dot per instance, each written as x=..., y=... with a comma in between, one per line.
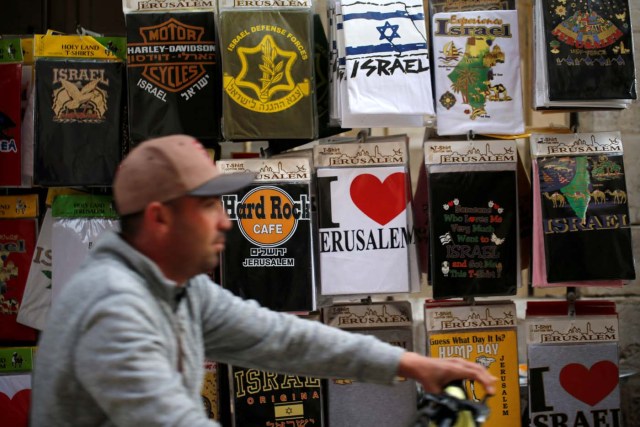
x=122, y=348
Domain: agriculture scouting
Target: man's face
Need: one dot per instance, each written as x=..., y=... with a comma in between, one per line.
x=197, y=233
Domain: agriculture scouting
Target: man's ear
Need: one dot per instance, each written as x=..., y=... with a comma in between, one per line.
x=157, y=215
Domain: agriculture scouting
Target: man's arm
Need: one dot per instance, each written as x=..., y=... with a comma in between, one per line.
x=434, y=374
x=242, y=333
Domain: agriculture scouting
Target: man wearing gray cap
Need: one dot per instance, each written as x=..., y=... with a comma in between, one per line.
x=126, y=340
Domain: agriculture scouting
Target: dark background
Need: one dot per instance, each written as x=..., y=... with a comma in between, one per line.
x=36, y=16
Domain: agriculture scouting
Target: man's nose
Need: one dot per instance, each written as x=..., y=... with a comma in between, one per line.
x=225, y=221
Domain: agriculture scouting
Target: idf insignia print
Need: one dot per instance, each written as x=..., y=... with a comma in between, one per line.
x=172, y=74
x=585, y=213
x=267, y=67
x=589, y=50
x=477, y=72
x=268, y=256
x=78, y=121
x=473, y=219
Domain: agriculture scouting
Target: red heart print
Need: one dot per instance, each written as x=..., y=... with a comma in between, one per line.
x=380, y=201
x=589, y=385
x=15, y=411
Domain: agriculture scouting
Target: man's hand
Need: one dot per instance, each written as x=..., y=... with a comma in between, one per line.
x=434, y=374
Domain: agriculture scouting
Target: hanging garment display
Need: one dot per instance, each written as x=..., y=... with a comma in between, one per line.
x=477, y=72
x=26, y=43
x=583, y=54
x=365, y=219
x=15, y=398
x=36, y=300
x=18, y=224
x=267, y=65
x=573, y=363
x=589, y=50
x=387, y=59
x=420, y=205
x=172, y=73
x=340, y=109
x=539, y=263
x=10, y=112
x=485, y=333
x=584, y=210
x=354, y=403
x=78, y=221
x=28, y=118
x=261, y=398
x=78, y=109
x=473, y=217
x=336, y=59
x=326, y=126
x=269, y=251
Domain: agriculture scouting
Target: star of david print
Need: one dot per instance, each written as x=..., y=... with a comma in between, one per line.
x=383, y=32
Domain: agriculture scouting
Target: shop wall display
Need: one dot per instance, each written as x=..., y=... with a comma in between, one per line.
x=258, y=76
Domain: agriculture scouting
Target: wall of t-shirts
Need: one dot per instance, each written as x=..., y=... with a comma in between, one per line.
x=338, y=221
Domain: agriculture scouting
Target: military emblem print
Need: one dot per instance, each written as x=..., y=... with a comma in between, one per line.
x=79, y=96
x=267, y=75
